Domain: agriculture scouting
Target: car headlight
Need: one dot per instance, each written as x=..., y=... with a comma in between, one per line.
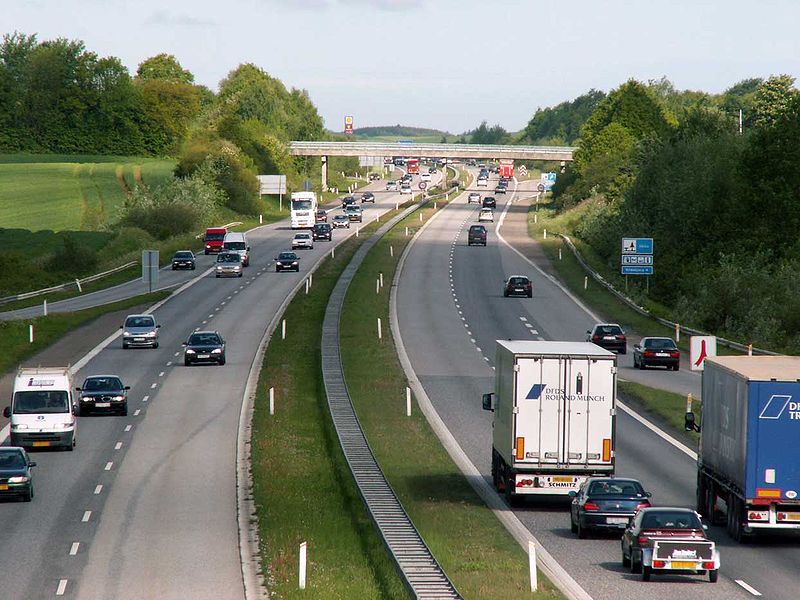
x=216, y=351
x=208, y=245
x=126, y=333
x=151, y=334
x=65, y=425
x=118, y=398
x=294, y=263
x=219, y=268
x=18, y=426
x=189, y=351
x=19, y=479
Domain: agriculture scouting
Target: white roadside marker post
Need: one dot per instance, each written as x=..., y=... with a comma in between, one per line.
x=586, y=282
x=78, y=283
x=532, y=565
x=272, y=400
x=545, y=233
x=303, y=556
x=559, y=254
x=260, y=219
x=380, y=332
x=408, y=401
x=391, y=251
x=677, y=332
x=381, y=278
x=689, y=402
x=30, y=333
x=377, y=286
x=44, y=307
x=306, y=287
x=283, y=329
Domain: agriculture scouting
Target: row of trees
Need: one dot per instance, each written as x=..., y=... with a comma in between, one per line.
x=723, y=207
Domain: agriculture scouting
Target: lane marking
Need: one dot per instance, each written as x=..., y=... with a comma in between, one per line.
x=108, y=466
x=748, y=587
x=128, y=427
x=145, y=398
x=136, y=412
x=529, y=325
x=523, y=319
x=74, y=548
x=176, y=354
x=479, y=348
x=169, y=363
x=86, y=516
x=682, y=447
x=152, y=387
x=161, y=374
x=229, y=297
x=62, y=587
x=222, y=303
x=118, y=445
x=210, y=317
x=204, y=322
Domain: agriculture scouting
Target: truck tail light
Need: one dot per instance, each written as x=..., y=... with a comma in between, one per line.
x=659, y=564
x=590, y=506
x=708, y=564
x=606, y=449
x=763, y=515
x=520, y=455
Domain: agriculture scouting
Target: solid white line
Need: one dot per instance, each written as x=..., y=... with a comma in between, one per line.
x=108, y=466
x=748, y=587
x=98, y=488
x=86, y=516
x=136, y=412
x=74, y=548
x=62, y=587
x=667, y=438
x=118, y=445
x=145, y=398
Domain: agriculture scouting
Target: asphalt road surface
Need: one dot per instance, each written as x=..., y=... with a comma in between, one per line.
x=145, y=507
x=451, y=310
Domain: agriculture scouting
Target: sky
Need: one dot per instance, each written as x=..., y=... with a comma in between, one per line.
x=443, y=64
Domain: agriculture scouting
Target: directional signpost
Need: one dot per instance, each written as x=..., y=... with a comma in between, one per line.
x=523, y=171
x=700, y=348
x=637, y=256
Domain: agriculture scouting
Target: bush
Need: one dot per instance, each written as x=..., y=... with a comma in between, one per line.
x=127, y=241
x=73, y=258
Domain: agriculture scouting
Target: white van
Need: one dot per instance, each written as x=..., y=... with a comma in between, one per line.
x=42, y=411
x=237, y=242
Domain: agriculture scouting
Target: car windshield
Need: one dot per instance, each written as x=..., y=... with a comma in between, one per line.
x=477, y=229
x=140, y=322
x=301, y=236
x=184, y=255
x=204, y=339
x=608, y=330
x=339, y=218
x=12, y=459
x=37, y=402
x=234, y=246
x=671, y=520
x=659, y=344
x=301, y=204
x=215, y=237
x=228, y=258
x=616, y=488
x=287, y=256
x=95, y=384
x=518, y=281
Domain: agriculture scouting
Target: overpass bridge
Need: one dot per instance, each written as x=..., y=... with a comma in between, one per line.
x=388, y=149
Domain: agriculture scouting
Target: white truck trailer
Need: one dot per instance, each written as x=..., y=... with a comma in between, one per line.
x=554, y=416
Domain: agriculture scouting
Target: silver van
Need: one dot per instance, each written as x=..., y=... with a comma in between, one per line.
x=237, y=242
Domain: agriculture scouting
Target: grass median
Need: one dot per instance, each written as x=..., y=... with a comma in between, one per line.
x=49, y=329
x=476, y=552
x=303, y=489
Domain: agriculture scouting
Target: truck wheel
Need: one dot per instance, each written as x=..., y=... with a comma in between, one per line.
x=713, y=575
x=646, y=572
x=711, y=501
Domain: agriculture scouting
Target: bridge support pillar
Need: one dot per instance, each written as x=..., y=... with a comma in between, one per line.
x=324, y=173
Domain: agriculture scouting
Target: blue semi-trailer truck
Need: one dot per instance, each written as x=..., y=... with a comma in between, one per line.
x=748, y=473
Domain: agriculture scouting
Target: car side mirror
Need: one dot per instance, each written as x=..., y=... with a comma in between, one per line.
x=648, y=494
x=32, y=463
x=248, y=248
x=7, y=412
x=126, y=388
x=184, y=344
x=120, y=326
x=572, y=493
x=74, y=410
x=158, y=326
x=489, y=401
x=705, y=527
x=77, y=389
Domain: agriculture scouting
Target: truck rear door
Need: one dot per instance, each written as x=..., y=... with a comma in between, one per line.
x=589, y=420
x=539, y=431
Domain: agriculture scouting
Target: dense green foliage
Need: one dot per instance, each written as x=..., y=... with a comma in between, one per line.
x=723, y=208
x=398, y=131
x=561, y=124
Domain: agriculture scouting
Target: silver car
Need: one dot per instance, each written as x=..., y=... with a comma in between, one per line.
x=140, y=331
x=229, y=264
x=302, y=240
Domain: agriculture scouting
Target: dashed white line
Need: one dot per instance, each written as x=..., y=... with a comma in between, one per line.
x=145, y=398
x=136, y=412
x=62, y=587
x=216, y=309
x=529, y=325
x=210, y=317
x=74, y=548
x=108, y=466
x=118, y=445
x=229, y=297
x=177, y=354
x=235, y=291
x=128, y=427
x=86, y=516
x=479, y=348
x=204, y=322
x=161, y=374
x=98, y=488
x=472, y=340
x=748, y=587
x=486, y=358
x=523, y=319
x=169, y=363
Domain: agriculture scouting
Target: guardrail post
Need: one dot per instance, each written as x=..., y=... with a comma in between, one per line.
x=677, y=332
x=311, y=278
x=30, y=334
x=272, y=400
x=44, y=307
x=532, y=565
x=306, y=287
x=749, y=349
x=283, y=329
x=78, y=283
x=380, y=332
x=303, y=557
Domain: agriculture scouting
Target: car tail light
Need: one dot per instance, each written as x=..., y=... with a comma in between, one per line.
x=675, y=354
x=642, y=505
x=643, y=540
x=708, y=564
x=621, y=337
x=589, y=505
x=659, y=564
x=648, y=353
x=595, y=338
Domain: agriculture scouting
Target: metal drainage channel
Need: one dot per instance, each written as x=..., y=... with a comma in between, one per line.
x=421, y=573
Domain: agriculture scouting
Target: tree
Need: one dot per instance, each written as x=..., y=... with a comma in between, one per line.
x=168, y=109
x=164, y=67
x=488, y=135
x=563, y=121
x=772, y=99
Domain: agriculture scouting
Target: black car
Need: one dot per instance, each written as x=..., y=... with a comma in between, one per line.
x=407, y=178
x=518, y=285
x=609, y=336
x=103, y=392
x=368, y=197
x=183, y=259
x=605, y=503
x=204, y=347
x=656, y=352
x=322, y=231
x=16, y=478
x=476, y=235
x=287, y=261
x=489, y=202
x=348, y=201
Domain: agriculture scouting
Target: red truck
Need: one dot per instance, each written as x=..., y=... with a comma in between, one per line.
x=213, y=239
x=506, y=169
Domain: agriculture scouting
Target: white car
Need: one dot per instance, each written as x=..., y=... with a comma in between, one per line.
x=474, y=197
x=391, y=186
x=425, y=177
x=406, y=189
x=483, y=182
x=486, y=214
x=302, y=240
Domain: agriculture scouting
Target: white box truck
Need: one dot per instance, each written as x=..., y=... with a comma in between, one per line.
x=42, y=410
x=554, y=415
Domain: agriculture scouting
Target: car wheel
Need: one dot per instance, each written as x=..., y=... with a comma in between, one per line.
x=713, y=575
x=505, y=294
x=642, y=365
x=28, y=496
x=582, y=531
x=206, y=252
x=572, y=527
x=187, y=362
x=193, y=267
x=221, y=361
x=636, y=566
x=155, y=345
x=240, y=274
x=216, y=275
x=173, y=268
x=277, y=270
x=124, y=346
x=623, y=351
x=626, y=561
x=124, y=411
x=646, y=572
x=676, y=368
x=530, y=294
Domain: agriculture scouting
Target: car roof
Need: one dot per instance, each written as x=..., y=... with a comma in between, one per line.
x=655, y=337
x=649, y=509
x=607, y=325
x=522, y=276
x=102, y=376
x=139, y=315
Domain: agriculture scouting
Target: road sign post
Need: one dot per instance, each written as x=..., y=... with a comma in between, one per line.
x=150, y=269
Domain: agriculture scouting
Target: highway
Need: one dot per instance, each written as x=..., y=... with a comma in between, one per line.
x=146, y=506
x=451, y=309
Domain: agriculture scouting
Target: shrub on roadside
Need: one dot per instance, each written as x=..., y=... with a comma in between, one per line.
x=72, y=258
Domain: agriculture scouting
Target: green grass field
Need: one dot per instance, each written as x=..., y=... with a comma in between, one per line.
x=58, y=192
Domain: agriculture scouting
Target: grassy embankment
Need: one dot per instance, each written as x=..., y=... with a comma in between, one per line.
x=49, y=329
x=478, y=554
x=668, y=408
